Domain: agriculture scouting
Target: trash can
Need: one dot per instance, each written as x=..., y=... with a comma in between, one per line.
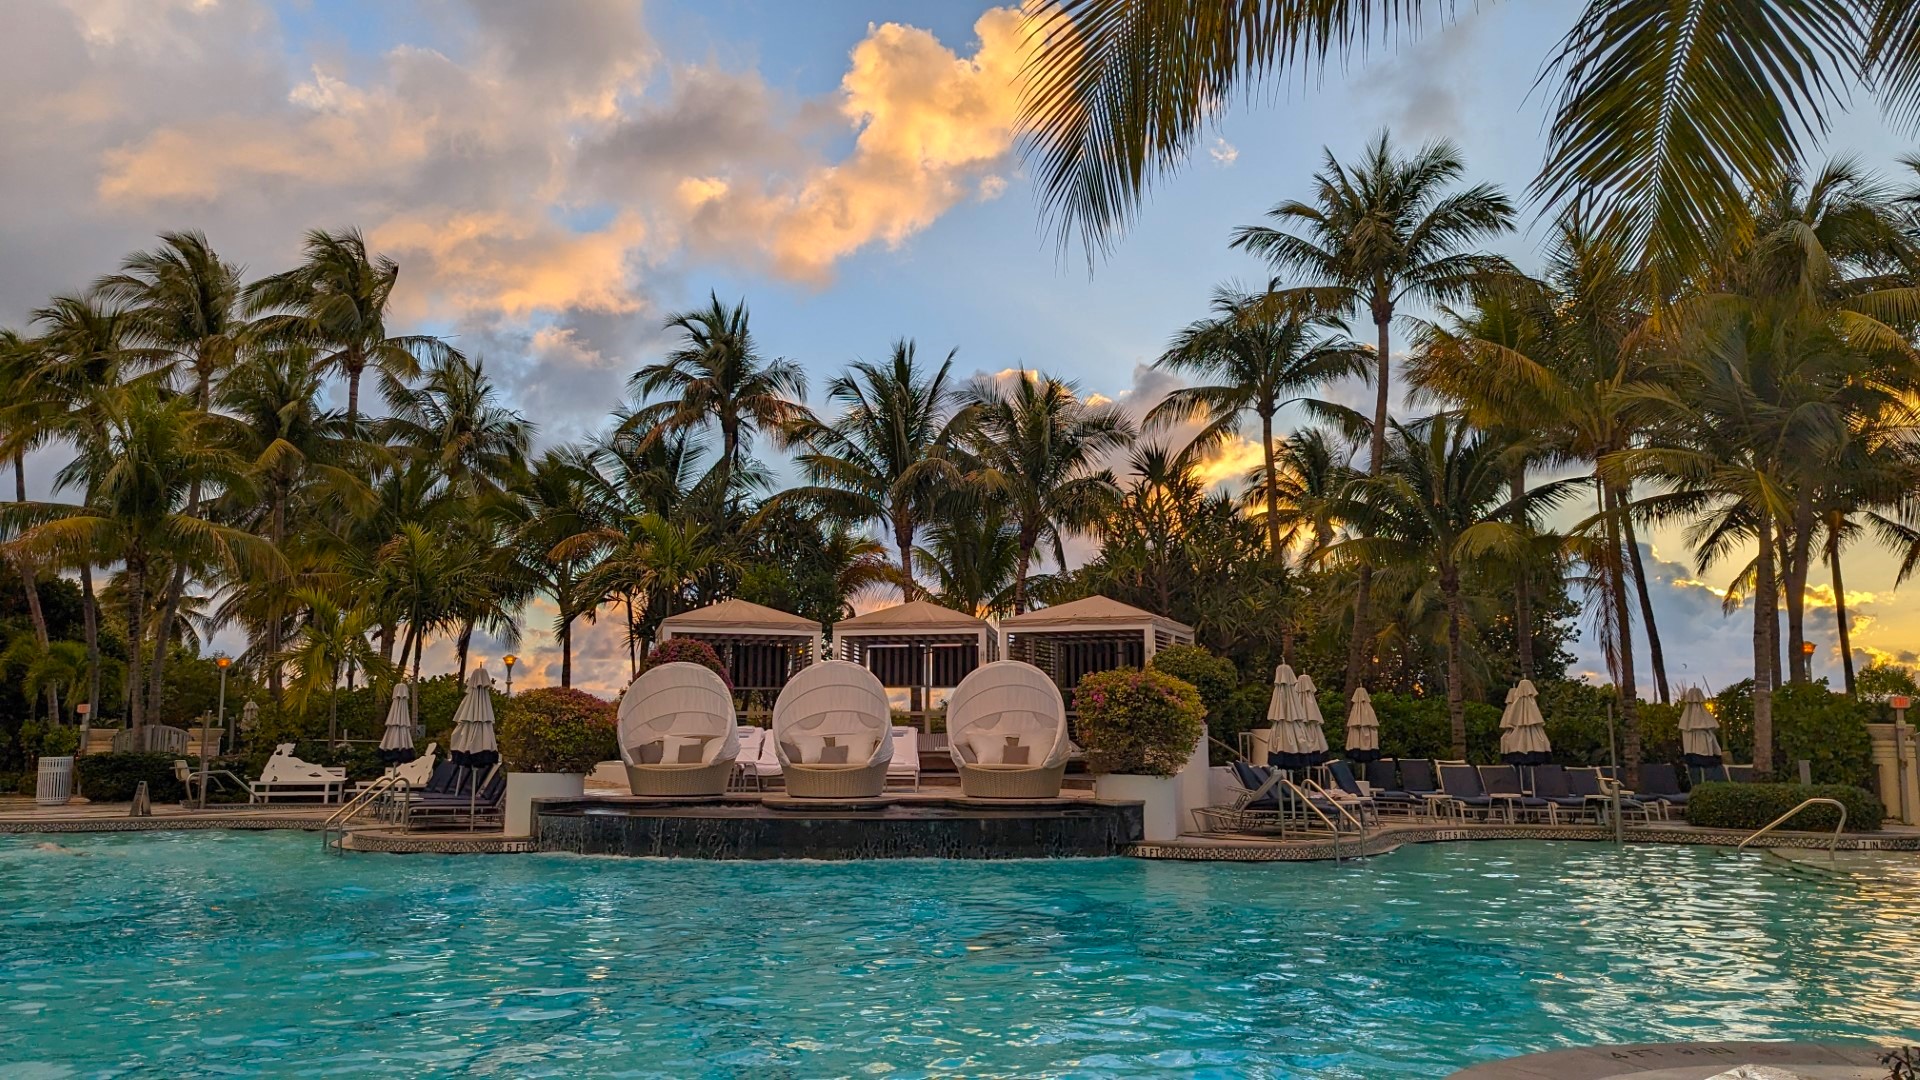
x=55, y=786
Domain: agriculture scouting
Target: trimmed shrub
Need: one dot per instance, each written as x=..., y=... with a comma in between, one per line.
x=1810, y=723
x=114, y=777
x=556, y=730
x=59, y=741
x=686, y=651
x=1218, y=681
x=1133, y=721
x=1752, y=806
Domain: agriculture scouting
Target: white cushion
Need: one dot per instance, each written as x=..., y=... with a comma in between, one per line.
x=989, y=747
x=809, y=747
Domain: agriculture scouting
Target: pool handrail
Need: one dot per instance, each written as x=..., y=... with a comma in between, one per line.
x=1833, y=842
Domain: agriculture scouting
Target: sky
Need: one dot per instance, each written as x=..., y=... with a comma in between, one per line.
x=555, y=178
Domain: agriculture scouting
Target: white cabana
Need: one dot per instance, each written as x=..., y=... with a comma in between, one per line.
x=677, y=732
x=761, y=647
x=1523, y=731
x=1363, y=728
x=1073, y=640
x=1007, y=732
x=918, y=650
x=472, y=744
x=1306, y=713
x=833, y=732
x=1699, y=730
x=396, y=740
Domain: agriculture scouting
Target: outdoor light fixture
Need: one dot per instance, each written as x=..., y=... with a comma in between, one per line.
x=1806, y=647
x=508, y=660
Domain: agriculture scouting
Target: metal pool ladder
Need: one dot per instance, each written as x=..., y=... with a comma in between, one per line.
x=333, y=831
x=1833, y=842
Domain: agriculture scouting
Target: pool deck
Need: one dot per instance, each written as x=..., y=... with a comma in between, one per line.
x=20, y=815
x=1688, y=1061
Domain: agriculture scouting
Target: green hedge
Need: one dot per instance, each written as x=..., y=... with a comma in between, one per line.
x=1217, y=681
x=113, y=777
x=1751, y=806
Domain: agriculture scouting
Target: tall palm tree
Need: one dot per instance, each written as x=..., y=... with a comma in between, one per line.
x=1665, y=114
x=890, y=452
x=1259, y=353
x=337, y=300
x=331, y=640
x=137, y=477
x=455, y=421
x=559, y=527
x=16, y=364
x=1039, y=449
x=717, y=375
x=971, y=555
x=1441, y=503
x=1388, y=231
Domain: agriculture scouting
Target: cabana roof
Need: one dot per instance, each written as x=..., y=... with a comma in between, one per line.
x=916, y=616
x=738, y=617
x=1092, y=613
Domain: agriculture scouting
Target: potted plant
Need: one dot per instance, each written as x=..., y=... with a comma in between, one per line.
x=550, y=739
x=1139, y=729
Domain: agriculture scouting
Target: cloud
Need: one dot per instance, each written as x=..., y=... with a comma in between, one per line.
x=1223, y=153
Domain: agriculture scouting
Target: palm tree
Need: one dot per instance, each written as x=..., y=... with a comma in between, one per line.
x=337, y=300
x=152, y=451
x=331, y=640
x=1260, y=352
x=1039, y=449
x=717, y=375
x=890, y=452
x=559, y=528
x=455, y=421
x=972, y=555
x=16, y=363
x=186, y=302
x=1665, y=114
x=1390, y=230
x=1441, y=503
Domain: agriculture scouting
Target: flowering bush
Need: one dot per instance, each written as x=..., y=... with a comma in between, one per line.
x=1132, y=721
x=681, y=650
x=554, y=730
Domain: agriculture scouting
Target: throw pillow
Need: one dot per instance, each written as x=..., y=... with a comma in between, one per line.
x=1015, y=754
x=649, y=753
x=692, y=749
x=834, y=755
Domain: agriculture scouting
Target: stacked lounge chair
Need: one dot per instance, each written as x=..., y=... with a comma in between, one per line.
x=1502, y=785
x=1551, y=784
x=1660, y=783
x=1465, y=796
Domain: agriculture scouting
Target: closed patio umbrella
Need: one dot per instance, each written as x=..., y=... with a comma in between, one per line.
x=1699, y=730
x=1523, y=739
x=1363, y=728
x=1306, y=712
x=1285, y=749
x=472, y=745
x=396, y=742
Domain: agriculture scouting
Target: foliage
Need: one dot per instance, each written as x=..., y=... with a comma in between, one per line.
x=1213, y=676
x=60, y=741
x=114, y=777
x=682, y=650
x=1751, y=806
x=1133, y=721
x=555, y=730
x=1811, y=723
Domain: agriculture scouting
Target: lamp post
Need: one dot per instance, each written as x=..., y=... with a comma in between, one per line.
x=222, y=662
x=509, y=660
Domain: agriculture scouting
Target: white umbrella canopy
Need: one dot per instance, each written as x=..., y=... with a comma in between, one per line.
x=1524, y=741
x=1280, y=705
x=1284, y=743
x=1506, y=713
x=472, y=744
x=1363, y=728
x=1699, y=729
x=1306, y=712
x=396, y=741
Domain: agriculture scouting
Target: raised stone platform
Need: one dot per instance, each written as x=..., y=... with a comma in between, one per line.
x=777, y=827
x=1689, y=1061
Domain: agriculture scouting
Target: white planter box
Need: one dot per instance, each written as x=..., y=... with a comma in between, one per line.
x=1160, y=814
x=524, y=787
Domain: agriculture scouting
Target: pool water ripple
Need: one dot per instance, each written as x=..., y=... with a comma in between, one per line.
x=254, y=954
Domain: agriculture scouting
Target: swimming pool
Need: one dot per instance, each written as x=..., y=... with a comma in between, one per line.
x=253, y=953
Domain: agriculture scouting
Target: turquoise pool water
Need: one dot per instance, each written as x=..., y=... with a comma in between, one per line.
x=254, y=954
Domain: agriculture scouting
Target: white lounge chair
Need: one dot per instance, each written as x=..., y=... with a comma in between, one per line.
x=416, y=773
x=905, y=766
x=832, y=732
x=1007, y=732
x=677, y=732
x=750, y=770
x=286, y=775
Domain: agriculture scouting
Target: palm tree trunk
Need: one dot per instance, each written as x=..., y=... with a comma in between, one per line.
x=90, y=626
x=1020, y=576
x=1799, y=563
x=1655, y=653
x=1456, y=691
x=1616, y=586
x=466, y=641
x=633, y=634
x=1523, y=580
x=1766, y=653
x=355, y=365
x=30, y=582
x=137, y=640
x=1273, y=485
x=903, y=538
x=1358, y=647
x=1840, y=615
x=566, y=650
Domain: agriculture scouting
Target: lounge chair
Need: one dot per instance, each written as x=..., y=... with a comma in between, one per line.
x=1383, y=777
x=1658, y=782
x=285, y=775
x=1254, y=808
x=1417, y=780
x=1550, y=783
x=189, y=778
x=1597, y=789
x=832, y=731
x=1346, y=791
x=746, y=767
x=904, y=768
x=415, y=773
x=678, y=735
x=1464, y=795
x=469, y=800
x=1502, y=785
x=1007, y=732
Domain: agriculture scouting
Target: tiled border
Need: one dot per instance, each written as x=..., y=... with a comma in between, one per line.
x=393, y=843
x=1383, y=842
x=157, y=824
